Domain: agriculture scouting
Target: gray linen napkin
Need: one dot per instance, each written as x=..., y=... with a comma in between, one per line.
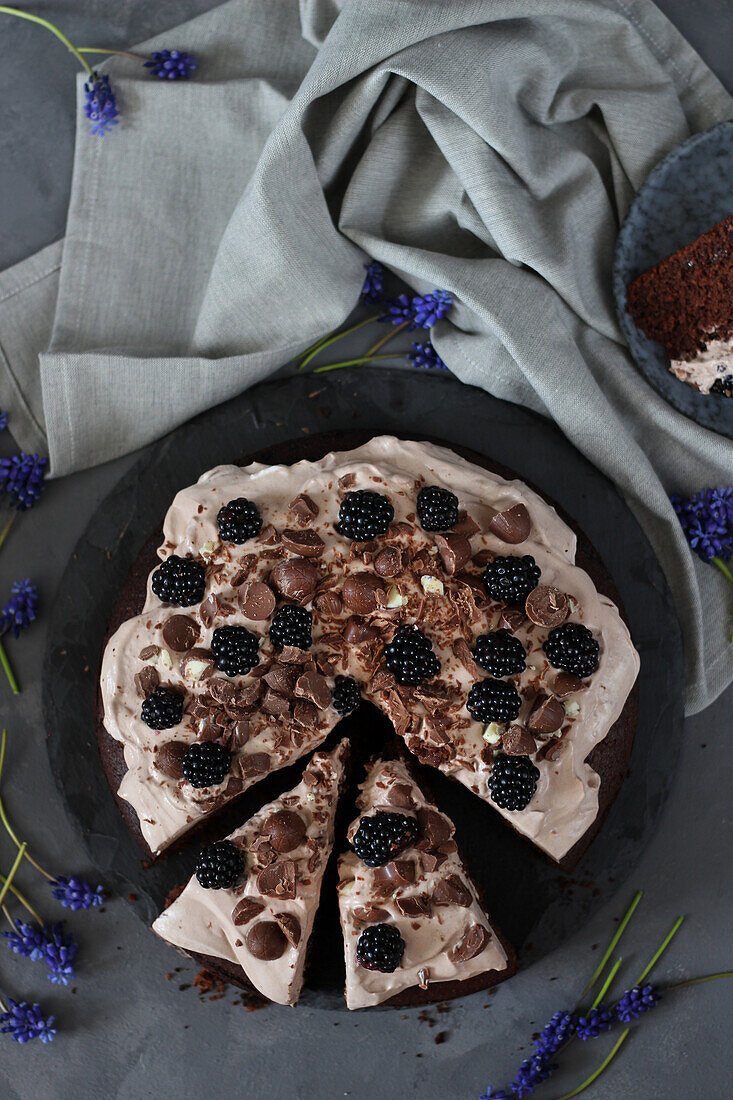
x=491, y=147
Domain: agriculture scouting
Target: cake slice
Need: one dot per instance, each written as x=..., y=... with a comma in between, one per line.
x=414, y=928
x=685, y=303
x=250, y=906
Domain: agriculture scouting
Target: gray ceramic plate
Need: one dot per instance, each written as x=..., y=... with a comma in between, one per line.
x=685, y=195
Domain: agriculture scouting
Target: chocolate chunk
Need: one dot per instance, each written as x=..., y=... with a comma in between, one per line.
x=465, y=525
x=434, y=828
x=146, y=681
x=400, y=872
x=208, y=610
x=462, y=651
x=239, y=734
x=285, y=830
x=512, y=525
x=356, y=631
x=452, y=891
x=305, y=714
x=290, y=926
x=180, y=633
x=256, y=763
x=364, y=593
x=314, y=687
x=565, y=683
x=266, y=940
x=278, y=880
x=149, y=651
x=370, y=914
x=470, y=945
x=291, y=655
x=281, y=678
x=347, y=481
x=517, y=742
x=304, y=508
x=198, y=664
x=328, y=603
x=223, y=691
x=547, y=606
x=432, y=860
x=306, y=543
x=249, y=693
x=296, y=579
x=167, y=758
x=388, y=562
x=400, y=795
x=274, y=703
x=548, y=714
x=511, y=619
x=454, y=550
x=416, y=906
x=245, y=910
x=256, y=601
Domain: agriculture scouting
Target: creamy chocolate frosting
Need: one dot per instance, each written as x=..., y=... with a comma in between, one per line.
x=412, y=576
x=263, y=925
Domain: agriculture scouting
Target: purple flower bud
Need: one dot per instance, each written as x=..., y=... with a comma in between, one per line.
x=100, y=104
x=425, y=357
x=74, y=893
x=24, y=1022
x=371, y=292
x=171, y=64
x=21, y=476
x=21, y=609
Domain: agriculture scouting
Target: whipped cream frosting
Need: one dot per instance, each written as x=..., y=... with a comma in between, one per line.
x=566, y=802
x=711, y=365
x=432, y=952
x=201, y=921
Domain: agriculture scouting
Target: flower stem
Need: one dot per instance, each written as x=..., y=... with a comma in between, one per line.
x=721, y=566
x=604, y=1065
x=312, y=352
x=697, y=981
x=8, y=671
x=6, y=529
x=11, y=873
x=117, y=53
x=49, y=27
x=612, y=945
x=660, y=951
x=4, y=816
x=355, y=362
x=23, y=901
x=606, y=984
x=383, y=340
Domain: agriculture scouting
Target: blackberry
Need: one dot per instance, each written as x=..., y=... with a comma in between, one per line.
x=380, y=947
x=291, y=625
x=437, y=508
x=236, y=650
x=162, y=709
x=493, y=701
x=179, y=580
x=346, y=695
x=363, y=515
x=383, y=836
x=238, y=521
x=205, y=763
x=219, y=865
x=513, y=781
x=723, y=386
x=499, y=653
x=572, y=648
x=409, y=656
x=511, y=579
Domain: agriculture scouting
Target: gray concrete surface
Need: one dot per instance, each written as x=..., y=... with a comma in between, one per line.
x=127, y=1032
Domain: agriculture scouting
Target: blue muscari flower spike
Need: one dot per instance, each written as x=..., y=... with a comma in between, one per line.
x=21, y=609
x=554, y=1034
x=533, y=1071
x=590, y=1026
x=373, y=288
x=74, y=893
x=3, y=421
x=100, y=104
x=21, y=477
x=49, y=945
x=425, y=357
x=635, y=1002
x=707, y=521
x=171, y=64
x=24, y=1022
x=420, y=311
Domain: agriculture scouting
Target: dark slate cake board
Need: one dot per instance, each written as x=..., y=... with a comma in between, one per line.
x=536, y=904
x=686, y=194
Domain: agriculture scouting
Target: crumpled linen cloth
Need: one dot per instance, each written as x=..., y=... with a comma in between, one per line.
x=491, y=147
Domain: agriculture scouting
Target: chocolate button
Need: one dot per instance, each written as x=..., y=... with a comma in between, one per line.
x=256, y=601
x=547, y=715
x=266, y=940
x=180, y=633
x=364, y=593
x=370, y=914
x=278, y=880
x=417, y=906
x=513, y=525
x=517, y=742
x=452, y=891
x=285, y=830
x=306, y=543
x=328, y=603
x=454, y=550
x=281, y=678
x=167, y=758
x=245, y=910
x=547, y=606
x=296, y=578
x=565, y=683
x=470, y=945
x=388, y=562
x=357, y=631
x=400, y=795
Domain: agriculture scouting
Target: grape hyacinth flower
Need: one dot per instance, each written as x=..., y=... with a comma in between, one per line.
x=21, y=477
x=74, y=893
x=635, y=1002
x=24, y=1022
x=21, y=609
x=373, y=288
x=171, y=64
x=418, y=312
x=3, y=420
x=707, y=521
x=49, y=944
x=100, y=104
x=425, y=357
x=554, y=1034
x=590, y=1026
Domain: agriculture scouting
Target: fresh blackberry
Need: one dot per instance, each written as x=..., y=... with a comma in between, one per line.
x=383, y=836
x=363, y=515
x=511, y=579
x=291, y=625
x=219, y=866
x=179, y=580
x=238, y=521
x=437, y=508
x=162, y=709
x=723, y=386
x=346, y=695
x=499, y=653
x=493, y=701
x=205, y=763
x=572, y=648
x=513, y=781
x=409, y=656
x=236, y=650
x=380, y=947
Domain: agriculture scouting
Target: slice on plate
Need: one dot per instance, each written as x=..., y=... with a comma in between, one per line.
x=414, y=927
x=248, y=911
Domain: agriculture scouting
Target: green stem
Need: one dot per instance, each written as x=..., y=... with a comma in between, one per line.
x=117, y=53
x=11, y=873
x=698, y=981
x=8, y=671
x=4, y=816
x=723, y=568
x=380, y=343
x=612, y=945
x=313, y=351
x=355, y=362
x=49, y=27
x=606, y=984
x=604, y=1065
x=6, y=529
x=23, y=901
x=662, y=948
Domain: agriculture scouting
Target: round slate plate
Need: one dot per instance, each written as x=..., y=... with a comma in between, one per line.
x=687, y=193
x=536, y=904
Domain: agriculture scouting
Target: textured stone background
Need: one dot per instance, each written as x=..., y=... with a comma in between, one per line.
x=128, y=1033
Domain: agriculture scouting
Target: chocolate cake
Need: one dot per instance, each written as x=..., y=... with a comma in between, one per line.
x=414, y=928
x=441, y=591
x=250, y=907
x=685, y=303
